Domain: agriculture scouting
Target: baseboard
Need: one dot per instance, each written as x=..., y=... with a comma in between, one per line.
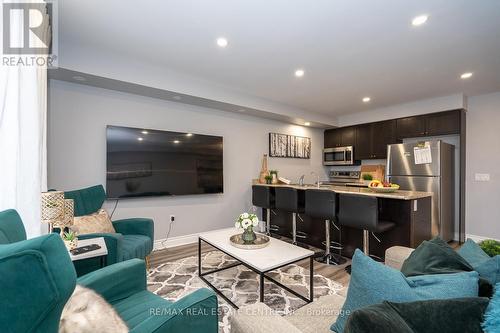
x=477, y=239
x=178, y=240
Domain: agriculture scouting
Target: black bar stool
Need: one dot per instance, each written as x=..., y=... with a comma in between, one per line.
x=361, y=212
x=323, y=204
x=263, y=196
x=292, y=200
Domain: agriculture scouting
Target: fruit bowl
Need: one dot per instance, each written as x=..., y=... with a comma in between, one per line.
x=389, y=189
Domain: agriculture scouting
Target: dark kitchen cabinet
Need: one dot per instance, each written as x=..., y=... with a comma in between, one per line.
x=443, y=123
x=340, y=137
x=410, y=127
x=372, y=140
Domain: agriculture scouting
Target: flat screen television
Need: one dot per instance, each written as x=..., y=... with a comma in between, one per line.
x=145, y=162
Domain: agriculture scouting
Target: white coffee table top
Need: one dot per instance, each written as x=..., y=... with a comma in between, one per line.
x=276, y=254
x=103, y=251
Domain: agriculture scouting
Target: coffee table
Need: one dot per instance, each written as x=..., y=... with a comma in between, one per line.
x=261, y=261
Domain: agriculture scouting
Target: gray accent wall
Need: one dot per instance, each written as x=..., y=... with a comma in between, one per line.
x=78, y=116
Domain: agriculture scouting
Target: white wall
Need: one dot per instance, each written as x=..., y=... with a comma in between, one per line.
x=483, y=156
x=78, y=116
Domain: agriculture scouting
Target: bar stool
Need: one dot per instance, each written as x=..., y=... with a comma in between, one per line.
x=361, y=212
x=322, y=204
x=291, y=200
x=263, y=196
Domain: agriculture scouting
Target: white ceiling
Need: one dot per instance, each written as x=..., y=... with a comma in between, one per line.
x=349, y=49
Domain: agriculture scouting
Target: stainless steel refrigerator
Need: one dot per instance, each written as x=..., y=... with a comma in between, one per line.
x=407, y=165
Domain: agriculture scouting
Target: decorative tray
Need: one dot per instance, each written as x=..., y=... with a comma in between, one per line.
x=260, y=242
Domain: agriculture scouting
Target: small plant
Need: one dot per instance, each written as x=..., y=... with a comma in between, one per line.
x=367, y=176
x=268, y=179
x=69, y=236
x=491, y=247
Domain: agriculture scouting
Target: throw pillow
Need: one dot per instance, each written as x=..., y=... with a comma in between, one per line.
x=373, y=282
x=99, y=222
x=437, y=257
x=487, y=267
x=87, y=312
x=491, y=322
x=431, y=316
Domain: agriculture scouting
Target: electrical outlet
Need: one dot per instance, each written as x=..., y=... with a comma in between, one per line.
x=172, y=218
x=482, y=177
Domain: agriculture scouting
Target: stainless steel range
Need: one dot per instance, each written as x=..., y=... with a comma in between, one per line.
x=344, y=178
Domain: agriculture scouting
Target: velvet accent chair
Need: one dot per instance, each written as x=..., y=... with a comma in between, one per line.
x=37, y=278
x=133, y=238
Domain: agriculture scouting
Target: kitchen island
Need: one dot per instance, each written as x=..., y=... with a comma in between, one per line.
x=409, y=210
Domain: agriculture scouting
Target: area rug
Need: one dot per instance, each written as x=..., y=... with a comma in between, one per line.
x=174, y=280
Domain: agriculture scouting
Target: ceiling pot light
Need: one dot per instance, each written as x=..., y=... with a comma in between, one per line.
x=307, y=123
x=366, y=99
x=176, y=141
x=222, y=42
x=466, y=75
x=419, y=20
x=299, y=73
x=79, y=78
x=145, y=132
x=140, y=139
x=189, y=134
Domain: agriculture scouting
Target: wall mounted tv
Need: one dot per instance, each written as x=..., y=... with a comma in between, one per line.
x=145, y=162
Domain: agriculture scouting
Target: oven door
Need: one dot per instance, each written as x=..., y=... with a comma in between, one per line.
x=337, y=156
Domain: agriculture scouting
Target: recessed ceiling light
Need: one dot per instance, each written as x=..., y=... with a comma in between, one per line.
x=145, y=132
x=307, y=123
x=79, y=78
x=366, y=99
x=299, y=73
x=466, y=75
x=419, y=20
x=176, y=141
x=222, y=42
x=189, y=134
x=140, y=139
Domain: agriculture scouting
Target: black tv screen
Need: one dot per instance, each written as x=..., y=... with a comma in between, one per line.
x=146, y=162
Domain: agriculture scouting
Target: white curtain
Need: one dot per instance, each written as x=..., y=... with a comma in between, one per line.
x=23, y=147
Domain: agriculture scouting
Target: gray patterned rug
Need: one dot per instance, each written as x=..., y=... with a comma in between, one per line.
x=174, y=280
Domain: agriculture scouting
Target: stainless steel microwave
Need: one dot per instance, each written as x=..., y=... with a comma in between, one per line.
x=338, y=156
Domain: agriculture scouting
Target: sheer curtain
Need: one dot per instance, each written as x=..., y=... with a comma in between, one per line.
x=23, y=146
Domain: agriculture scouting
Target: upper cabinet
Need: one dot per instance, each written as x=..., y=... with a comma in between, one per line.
x=340, y=137
x=370, y=140
x=433, y=124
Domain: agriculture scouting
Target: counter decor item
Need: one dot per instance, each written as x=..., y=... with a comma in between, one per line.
x=70, y=240
x=383, y=187
x=274, y=176
x=247, y=222
x=269, y=179
x=367, y=178
x=263, y=170
x=284, y=145
x=52, y=208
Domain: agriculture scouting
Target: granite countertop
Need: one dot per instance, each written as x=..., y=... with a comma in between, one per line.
x=399, y=194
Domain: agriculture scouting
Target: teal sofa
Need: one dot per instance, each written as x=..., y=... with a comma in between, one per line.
x=133, y=238
x=37, y=278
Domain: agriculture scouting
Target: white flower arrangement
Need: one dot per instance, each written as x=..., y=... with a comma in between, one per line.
x=246, y=221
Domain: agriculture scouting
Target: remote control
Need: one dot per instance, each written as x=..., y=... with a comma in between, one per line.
x=85, y=249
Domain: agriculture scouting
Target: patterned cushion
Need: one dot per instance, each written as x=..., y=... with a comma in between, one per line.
x=136, y=246
x=98, y=222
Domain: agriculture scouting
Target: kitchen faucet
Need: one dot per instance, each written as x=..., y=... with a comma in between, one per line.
x=301, y=180
x=317, y=177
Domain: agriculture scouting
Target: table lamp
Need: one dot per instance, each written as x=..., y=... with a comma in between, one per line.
x=68, y=217
x=53, y=206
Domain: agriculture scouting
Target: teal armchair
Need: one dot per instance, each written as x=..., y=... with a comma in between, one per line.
x=37, y=278
x=133, y=238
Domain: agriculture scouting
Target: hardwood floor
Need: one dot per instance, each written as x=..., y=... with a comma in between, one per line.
x=335, y=273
